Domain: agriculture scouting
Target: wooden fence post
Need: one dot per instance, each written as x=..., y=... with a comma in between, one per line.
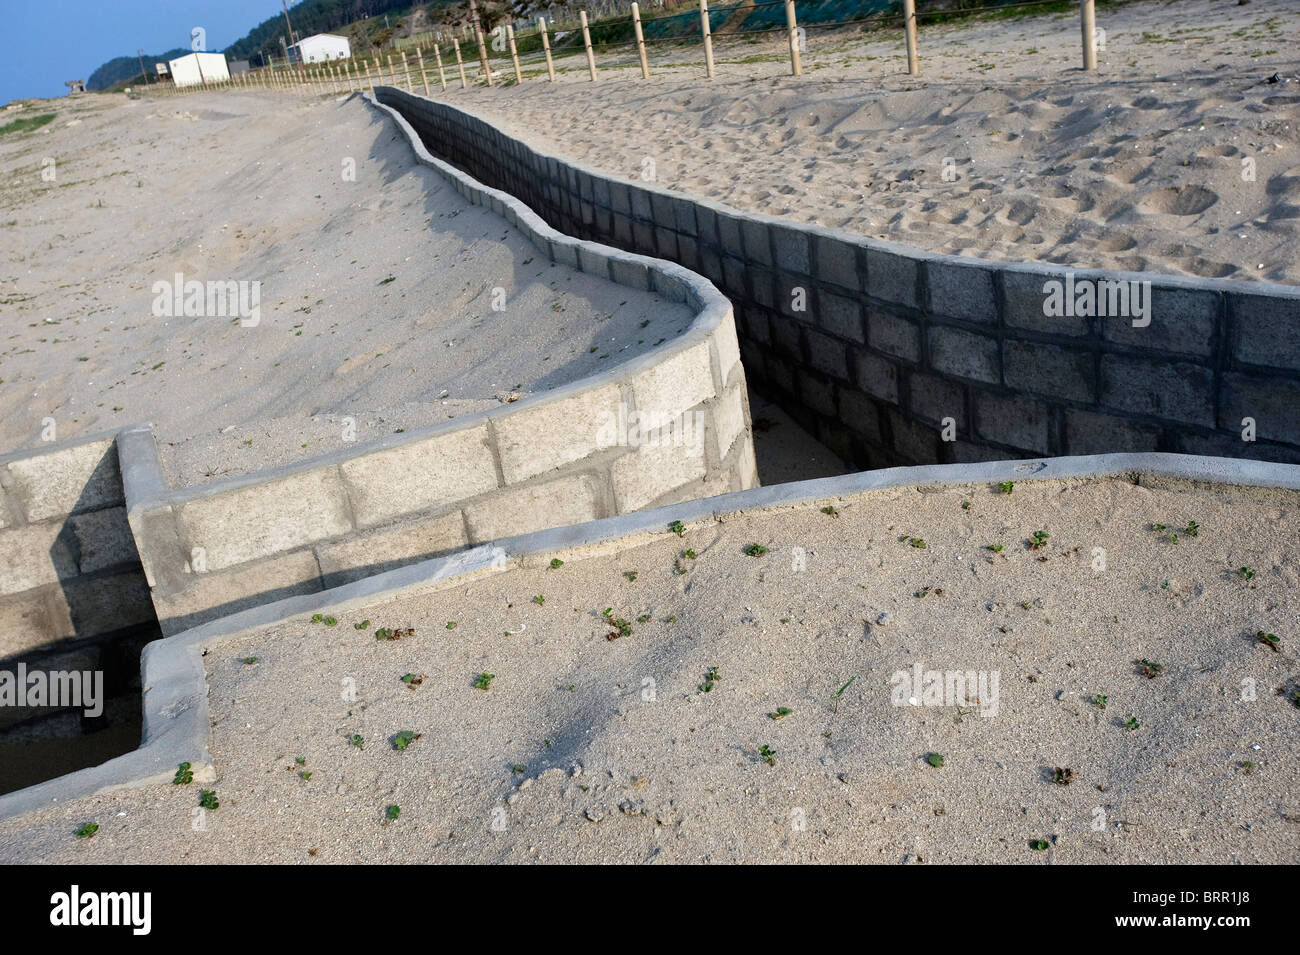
x=442, y=77
x=514, y=54
x=586, y=39
x=1088, y=16
x=909, y=34
x=546, y=45
x=464, y=83
x=640, y=42
x=406, y=72
x=708, y=38
x=796, y=63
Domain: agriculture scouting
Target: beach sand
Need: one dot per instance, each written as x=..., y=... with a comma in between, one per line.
x=1138, y=166
x=598, y=750
x=377, y=292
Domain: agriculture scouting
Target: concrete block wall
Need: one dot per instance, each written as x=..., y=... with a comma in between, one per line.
x=871, y=345
x=539, y=462
x=68, y=563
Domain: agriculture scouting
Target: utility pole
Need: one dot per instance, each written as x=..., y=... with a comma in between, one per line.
x=140, y=53
x=289, y=27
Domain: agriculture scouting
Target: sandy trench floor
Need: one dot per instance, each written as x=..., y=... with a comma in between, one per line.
x=591, y=749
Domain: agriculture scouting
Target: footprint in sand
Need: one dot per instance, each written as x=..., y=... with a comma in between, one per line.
x=1179, y=201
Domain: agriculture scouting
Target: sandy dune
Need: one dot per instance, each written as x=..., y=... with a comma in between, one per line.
x=590, y=749
x=1139, y=166
x=376, y=293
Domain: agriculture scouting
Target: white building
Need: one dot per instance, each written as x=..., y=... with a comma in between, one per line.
x=319, y=48
x=196, y=68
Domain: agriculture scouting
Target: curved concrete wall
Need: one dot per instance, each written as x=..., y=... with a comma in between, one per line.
x=872, y=345
x=571, y=454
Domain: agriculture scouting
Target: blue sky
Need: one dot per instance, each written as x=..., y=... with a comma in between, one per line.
x=69, y=39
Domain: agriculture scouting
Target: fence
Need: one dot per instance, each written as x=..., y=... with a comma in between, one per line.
x=685, y=23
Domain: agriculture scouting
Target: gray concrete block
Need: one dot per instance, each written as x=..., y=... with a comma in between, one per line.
x=270, y=517
x=684, y=210
x=677, y=383
x=894, y=336
x=593, y=262
x=859, y=413
x=1273, y=402
x=827, y=355
x=933, y=398
x=1267, y=329
x=35, y=555
x=103, y=539
x=1087, y=432
x=361, y=555
x=1182, y=320
x=532, y=507
x=961, y=290
x=1176, y=391
x=79, y=477
x=875, y=375
x=965, y=354
x=892, y=276
x=837, y=263
x=653, y=471
x=840, y=316
x=791, y=247
x=1049, y=370
x=1017, y=422
x=1024, y=300
x=427, y=474
x=757, y=241
x=817, y=393
x=550, y=434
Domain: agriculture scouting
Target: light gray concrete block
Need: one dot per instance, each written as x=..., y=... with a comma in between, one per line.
x=568, y=500
x=421, y=475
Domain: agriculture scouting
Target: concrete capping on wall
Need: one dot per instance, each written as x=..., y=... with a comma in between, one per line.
x=214, y=549
x=894, y=340
x=68, y=563
x=177, y=727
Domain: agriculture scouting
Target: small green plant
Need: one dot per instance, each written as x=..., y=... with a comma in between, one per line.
x=86, y=830
x=518, y=769
x=184, y=775
x=451, y=624
x=1100, y=701
x=630, y=575
x=996, y=548
x=357, y=740
x=1247, y=767
x=1269, y=640
x=1039, y=540
x=830, y=511
x=540, y=600
x=1062, y=776
x=412, y=680
x=688, y=554
x=710, y=678
x=965, y=505
x=781, y=713
x=208, y=799
x=935, y=760
x=556, y=563
x=248, y=661
x=391, y=278
x=1148, y=669
x=300, y=760
x=1132, y=723
x=1247, y=573
x=755, y=550
x=484, y=681
x=304, y=775
x=330, y=621
x=644, y=618
x=404, y=739
x=767, y=754
x=1038, y=845
x=361, y=626
x=392, y=812
x=1006, y=487
x=677, y=528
